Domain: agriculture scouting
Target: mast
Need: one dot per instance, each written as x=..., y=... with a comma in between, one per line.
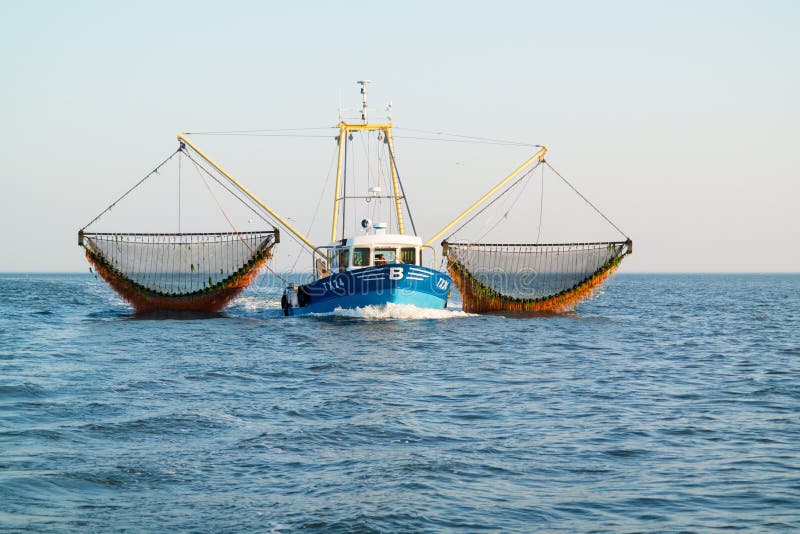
x=342, y=139
x=363, y=84
x=345, y=129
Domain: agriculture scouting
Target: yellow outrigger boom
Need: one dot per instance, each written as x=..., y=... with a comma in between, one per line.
x=243, y=189
x=538, y=156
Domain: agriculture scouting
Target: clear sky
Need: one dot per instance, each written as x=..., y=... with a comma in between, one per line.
x=680, y=120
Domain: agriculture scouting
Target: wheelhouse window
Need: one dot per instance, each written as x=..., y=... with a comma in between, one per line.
x=385, y=255
x=343, y=256
x=360, y=257
x=408, y=255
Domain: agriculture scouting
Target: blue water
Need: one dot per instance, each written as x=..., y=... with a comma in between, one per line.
x=671, y=402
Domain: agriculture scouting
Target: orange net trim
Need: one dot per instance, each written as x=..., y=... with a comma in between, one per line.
x=211, y=299
x=480, y=298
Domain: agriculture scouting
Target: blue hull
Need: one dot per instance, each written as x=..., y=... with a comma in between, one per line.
x=372, y=286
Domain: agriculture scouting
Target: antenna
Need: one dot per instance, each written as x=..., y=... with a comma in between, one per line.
x=363, y=84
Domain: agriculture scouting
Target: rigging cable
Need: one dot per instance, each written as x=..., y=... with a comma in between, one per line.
x=265, y=135
x=255, y=132
x=244, y=201
x=344, y=186
x=514, y=203
x=500, y=143
x=258, y=213
x=319, y=202
x=179, y=195
x=541, y=209
x=393, y=162
x=140, y=182
x=281, y=132
x=495, y=199
x=586, y=200
x=467, y=138
x=216, y=201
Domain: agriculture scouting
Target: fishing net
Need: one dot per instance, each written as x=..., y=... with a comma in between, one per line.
x=182, y=271
x=545, y=278
x=552, y=276
x=178, y=272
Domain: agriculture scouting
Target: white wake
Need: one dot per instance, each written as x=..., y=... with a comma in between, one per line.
x=253, y=303
x=395, y=311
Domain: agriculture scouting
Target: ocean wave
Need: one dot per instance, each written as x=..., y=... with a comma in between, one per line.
x=258, y=422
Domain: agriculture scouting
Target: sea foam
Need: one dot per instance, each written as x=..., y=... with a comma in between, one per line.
x=391, y=311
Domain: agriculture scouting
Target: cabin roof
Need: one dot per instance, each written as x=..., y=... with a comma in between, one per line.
x=384, y=239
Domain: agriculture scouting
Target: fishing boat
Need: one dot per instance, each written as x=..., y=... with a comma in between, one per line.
x=375, y=268
x=371, y=270
x=379, y=260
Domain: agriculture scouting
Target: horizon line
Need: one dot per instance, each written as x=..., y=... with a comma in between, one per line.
x=2, y=272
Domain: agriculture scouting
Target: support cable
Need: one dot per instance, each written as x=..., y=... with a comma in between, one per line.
x=541, y=209
x=179, y=194
x=140, y=182
x=468, y=138
x=344, y=184
x=393, y=162
x=257, y=212
x=233, y=193
x=262, y=130
x=495, y=199
x=319, y=203
x=511, y=207
x=587, y=200
x=216, y=201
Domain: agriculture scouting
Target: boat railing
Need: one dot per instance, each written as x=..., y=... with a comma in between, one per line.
x=435, y=262
x=316, y=261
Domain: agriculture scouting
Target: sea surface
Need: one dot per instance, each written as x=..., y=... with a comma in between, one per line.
x=668, y=403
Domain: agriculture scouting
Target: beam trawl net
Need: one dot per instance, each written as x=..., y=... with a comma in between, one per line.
x=190, y=271
x=531, y=277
